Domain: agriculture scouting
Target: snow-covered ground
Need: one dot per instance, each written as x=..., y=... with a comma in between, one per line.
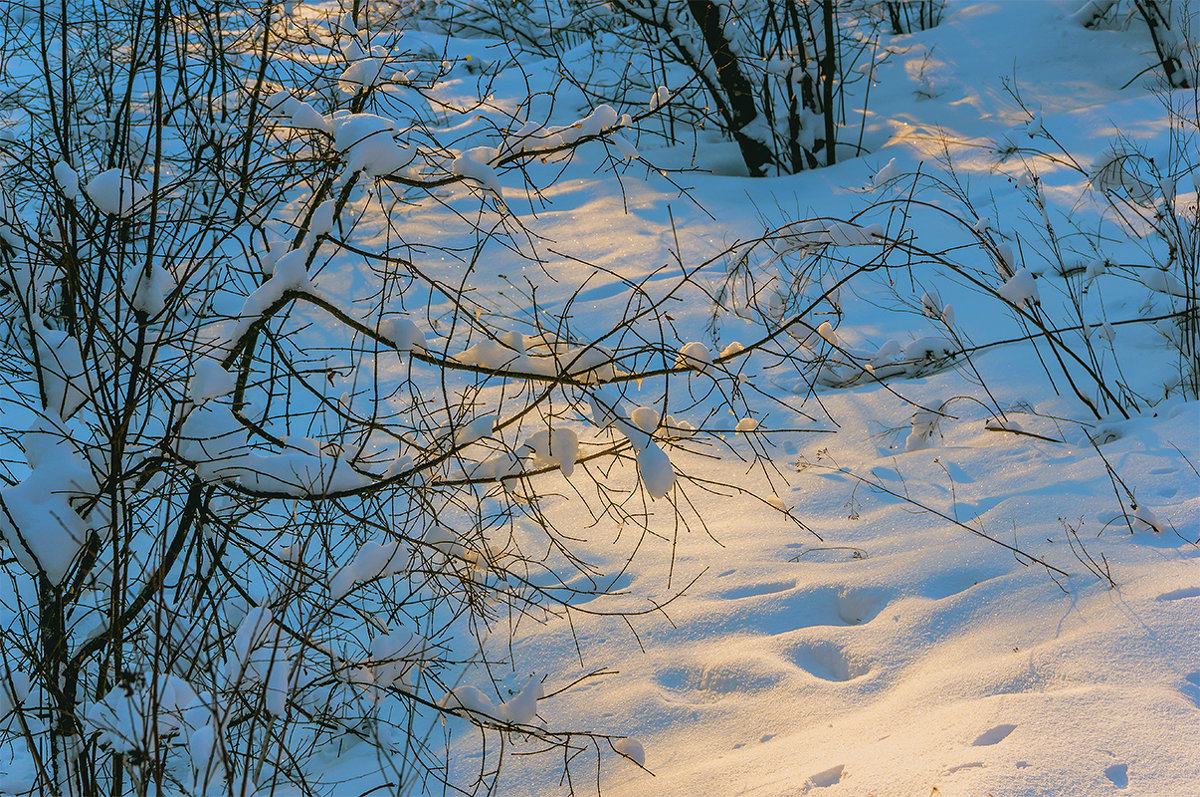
x=951, y=579
x=900, y=654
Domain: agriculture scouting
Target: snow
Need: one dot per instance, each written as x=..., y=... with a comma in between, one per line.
x=555, y=447
x=1021, y=289
x=600, y=119
x=1090, y=11
x=887, y=551
x=826, y=331
x=475, y=429
x=210, y=380
x=522, y=708
x=63, y=375
x=694, y=355
x=373, y=561
x=363, y=73
x=258, y=656
x=303, y=115
x=924, y=427
x=396, y=654
x=131, y=718
x=38, y=522
x=655, y=470
x=887, y=172
x=368, y=143
x=201, y=743
x=321, y=222
x=150, y=295
x=929, y=347
x=902, y=653
x=645, y=418
x=627, y=150
x=116, y=192
x=631, y=749
x=467, y=166
x=404, y=333
x=67, y=179
x=929, y=662
x=289, y=274
x=444, y=540
x=470, y=699
x=1162, y=281
x=219, y=445
x=490, y=354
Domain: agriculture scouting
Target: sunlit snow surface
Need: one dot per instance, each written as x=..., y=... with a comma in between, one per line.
x=901, y=653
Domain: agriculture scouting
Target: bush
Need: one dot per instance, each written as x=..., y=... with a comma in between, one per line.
x=774, y=77
x=281, y=473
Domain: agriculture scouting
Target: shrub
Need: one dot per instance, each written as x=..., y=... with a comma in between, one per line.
x=281, y=473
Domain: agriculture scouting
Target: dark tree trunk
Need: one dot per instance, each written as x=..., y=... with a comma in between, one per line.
x=1176, y=77
x=739, y=94
x=829, y=67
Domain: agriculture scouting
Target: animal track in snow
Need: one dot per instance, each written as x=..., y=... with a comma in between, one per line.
x=828, y=662
x=784, y=609
x=858, y=606
x=1118, y=774
x=1180, y=594
x=828, y=777
x=968, y=765
x=1192, y=690
x=994, y=735
x=700, y=684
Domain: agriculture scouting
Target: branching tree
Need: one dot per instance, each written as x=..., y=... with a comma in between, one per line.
x=775, y=73
x=775, y=77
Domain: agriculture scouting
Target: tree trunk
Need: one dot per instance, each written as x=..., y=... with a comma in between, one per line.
x=1157, y=22
x=829, y=67
x=739, y=94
